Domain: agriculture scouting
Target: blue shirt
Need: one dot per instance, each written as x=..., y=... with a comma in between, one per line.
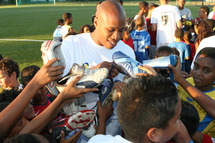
x=140, y=40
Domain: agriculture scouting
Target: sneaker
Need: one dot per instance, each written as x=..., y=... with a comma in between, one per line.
x=127, y=63
x=77, y=121
x=90, y=77
x=131, y=66
x=50, y=50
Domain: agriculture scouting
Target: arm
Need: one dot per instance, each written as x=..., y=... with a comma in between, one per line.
x=179, y=24
x=13, y=111
x=154, y=27
x=69, y=93
x=202, y=99
x=104, y=114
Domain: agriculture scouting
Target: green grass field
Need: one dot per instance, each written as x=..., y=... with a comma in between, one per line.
x=38, y=23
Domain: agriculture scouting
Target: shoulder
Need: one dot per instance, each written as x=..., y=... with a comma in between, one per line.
x=187, y=10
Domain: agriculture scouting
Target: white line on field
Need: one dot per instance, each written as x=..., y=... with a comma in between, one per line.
x=30, y=40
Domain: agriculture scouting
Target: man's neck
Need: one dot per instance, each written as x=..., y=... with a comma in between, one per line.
x=180, y=8
x=178, y=40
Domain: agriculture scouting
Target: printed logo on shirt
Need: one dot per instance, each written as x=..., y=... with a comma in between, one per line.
x=164, y=19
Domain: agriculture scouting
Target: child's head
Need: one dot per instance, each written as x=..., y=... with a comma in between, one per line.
x=211, y=23
x=85, y=28
x=140, y=21
x=143, y=7
x=202, y=29
x=187, y=36
x=20, y=124
x=175, y=51
x=26, y=76
x=203, y=12
x=129, y=27
x=189, y=117
x=67, y=17
x=10, y=95
x=9, y=73
x=204, y=69
x=149, y=109
x=163, y=51
x=60, y=22
x=179, y=33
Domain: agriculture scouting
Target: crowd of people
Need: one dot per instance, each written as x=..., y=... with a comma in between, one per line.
x=81, y=95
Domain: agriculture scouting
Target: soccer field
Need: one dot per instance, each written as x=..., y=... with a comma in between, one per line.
x=38, y=23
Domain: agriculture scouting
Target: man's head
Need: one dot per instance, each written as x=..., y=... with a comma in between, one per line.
x=181, y=3
x=148, y=109
x=67, y=17
x=60, y=22
x=109, y=24
x=9, y=73
x=143, y=7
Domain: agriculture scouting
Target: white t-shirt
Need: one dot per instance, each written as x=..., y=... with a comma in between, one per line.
x=165, y=16
x=211, y=14
x=81, y=49
x=107, y=139
x=186, y=13
x=65, y=30
x=145, y=27
x=57, y=35
x=206, y=42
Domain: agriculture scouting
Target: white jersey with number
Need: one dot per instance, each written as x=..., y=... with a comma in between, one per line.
x=57, y=35
x=186, y=13
x=165, y=16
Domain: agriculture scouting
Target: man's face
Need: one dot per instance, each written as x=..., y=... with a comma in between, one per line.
x=173, y=125
x=109, y=30
x=5, y=79
x=70, y=20
x=181, y=3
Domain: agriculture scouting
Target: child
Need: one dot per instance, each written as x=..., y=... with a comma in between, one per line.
x=181, y=47
x=141, y=41
x=41, y=100
x=67, y=17
x=148, y=111
x=203, y=12
x=9, y=74
x=203, y=79
x=85, y=29
x=57, y=33
x=143, y=11
x=127, y=34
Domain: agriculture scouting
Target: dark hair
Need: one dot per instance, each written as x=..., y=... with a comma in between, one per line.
x=66, y=16
x=205, y=9
x=189, y=117
x=204, y=30
x=146, y=102
x=60, y=21
x=23, y=138
x=82, y=28
x=207, y=52
x=9, y=95
x=28, y=73
x=142, y=4
x=120, y=1
x=163, y=49
x=187, y=35
x=9, y=66
x=211, y=23
x=130, y=24
x=179, y=33
x=1, y=57
x=175, y=51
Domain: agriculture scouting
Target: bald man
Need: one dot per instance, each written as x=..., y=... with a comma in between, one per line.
x=95, y=50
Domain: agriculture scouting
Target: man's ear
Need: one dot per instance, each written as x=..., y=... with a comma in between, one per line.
x=95, y=21
x=154, y=134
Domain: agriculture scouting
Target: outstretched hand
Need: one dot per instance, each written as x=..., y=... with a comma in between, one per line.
x=48, y=74
x=71, y=92
x=176, y=70
x=104, y=113
x=72, y=139
x=119, y=86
